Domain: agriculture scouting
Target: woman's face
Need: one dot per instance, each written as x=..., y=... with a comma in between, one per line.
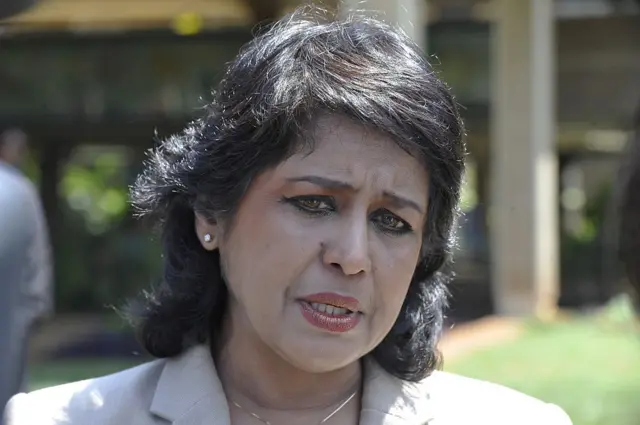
x=323, y=247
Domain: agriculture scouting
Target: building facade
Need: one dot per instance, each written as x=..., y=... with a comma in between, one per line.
x=541, y=82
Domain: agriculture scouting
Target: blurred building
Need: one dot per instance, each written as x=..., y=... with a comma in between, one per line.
x=548, y=90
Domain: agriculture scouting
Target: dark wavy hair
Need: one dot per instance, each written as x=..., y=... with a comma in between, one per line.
x=305, y=64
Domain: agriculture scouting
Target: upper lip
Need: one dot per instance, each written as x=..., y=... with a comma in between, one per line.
x=336, y=300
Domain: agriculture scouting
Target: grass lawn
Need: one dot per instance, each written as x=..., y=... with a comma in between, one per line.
x=59, y=372
x=589, y=367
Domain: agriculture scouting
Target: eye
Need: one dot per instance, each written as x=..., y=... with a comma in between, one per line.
x=390, y=222
x=313, y=204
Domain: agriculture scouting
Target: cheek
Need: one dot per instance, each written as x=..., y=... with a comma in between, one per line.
x=264, y=254
x=394, y=277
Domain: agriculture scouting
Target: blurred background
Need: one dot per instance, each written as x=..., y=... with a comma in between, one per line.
x=549, y=90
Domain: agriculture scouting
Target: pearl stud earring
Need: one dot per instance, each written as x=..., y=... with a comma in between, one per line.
x=207, y=238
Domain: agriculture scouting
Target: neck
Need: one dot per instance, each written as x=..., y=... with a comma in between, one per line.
x=251, y=371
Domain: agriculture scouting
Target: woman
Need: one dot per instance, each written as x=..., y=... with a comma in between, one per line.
x=305, y=218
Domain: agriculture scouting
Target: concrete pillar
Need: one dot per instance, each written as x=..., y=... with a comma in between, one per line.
x=410, y=15
x=524, y=200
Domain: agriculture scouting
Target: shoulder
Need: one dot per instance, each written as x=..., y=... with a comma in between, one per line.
x=20, y=216
x=16, y=192
x=117, y=398
x=13, y=180
x=459, y=399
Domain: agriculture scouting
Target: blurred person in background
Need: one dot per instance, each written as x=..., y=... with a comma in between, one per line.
x=25, y=263
x=629, y=204
x=306, y=220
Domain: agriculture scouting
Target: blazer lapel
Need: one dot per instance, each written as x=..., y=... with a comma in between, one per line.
x=387, y=400
x=189, y=391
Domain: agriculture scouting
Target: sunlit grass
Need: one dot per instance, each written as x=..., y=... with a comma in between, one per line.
x=589, y=367
x=60, y=372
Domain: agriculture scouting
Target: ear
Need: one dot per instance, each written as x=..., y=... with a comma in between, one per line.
x=207, y=232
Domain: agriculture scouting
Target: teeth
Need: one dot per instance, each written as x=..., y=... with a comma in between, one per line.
x=330, y=309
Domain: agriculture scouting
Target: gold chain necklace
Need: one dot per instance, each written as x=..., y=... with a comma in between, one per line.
x=266, y=422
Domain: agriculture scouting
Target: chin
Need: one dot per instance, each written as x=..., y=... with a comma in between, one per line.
x=322, y=365
x=328, y=357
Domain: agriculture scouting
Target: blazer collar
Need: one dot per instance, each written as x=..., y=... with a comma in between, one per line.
x=387, y=400
x=190, y=392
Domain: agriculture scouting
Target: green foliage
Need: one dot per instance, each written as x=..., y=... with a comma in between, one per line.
x=98, y=271
x=469, y=192
x=97, y=191
x=620, y=313
x=105, y=256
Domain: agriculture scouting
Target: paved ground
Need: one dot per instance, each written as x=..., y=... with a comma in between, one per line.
x=467, y=337
x=61, y=331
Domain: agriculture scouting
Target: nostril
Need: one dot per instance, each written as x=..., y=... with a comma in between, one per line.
x=336, y=266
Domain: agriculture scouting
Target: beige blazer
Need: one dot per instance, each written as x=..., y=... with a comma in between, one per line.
x=186, y=391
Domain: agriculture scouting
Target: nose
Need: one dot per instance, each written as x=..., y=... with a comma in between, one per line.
x=348, y=249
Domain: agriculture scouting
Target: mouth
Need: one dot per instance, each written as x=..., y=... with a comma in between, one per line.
x=329, y=310
x=332, y=304
x=339, y=315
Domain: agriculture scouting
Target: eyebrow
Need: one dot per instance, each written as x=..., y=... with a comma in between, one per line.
x=399, y=201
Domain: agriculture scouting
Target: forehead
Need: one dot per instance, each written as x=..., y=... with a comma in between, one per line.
x=344, y=149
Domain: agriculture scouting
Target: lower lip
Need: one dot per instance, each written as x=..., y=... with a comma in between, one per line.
x=329, y=322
